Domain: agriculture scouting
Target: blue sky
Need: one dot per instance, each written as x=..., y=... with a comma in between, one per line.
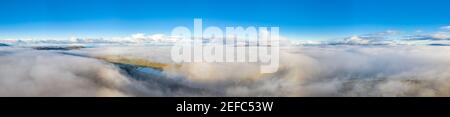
x=302, y=19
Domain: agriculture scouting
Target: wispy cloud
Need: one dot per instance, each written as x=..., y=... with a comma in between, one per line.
x=446, y=27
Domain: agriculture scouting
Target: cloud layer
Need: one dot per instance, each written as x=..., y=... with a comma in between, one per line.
x=32, y=73
x=336, y=70
x=305, y=71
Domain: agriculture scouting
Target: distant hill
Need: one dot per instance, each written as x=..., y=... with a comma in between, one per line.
x=2, y=44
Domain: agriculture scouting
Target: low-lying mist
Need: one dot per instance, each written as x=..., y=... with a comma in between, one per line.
x=304, y=71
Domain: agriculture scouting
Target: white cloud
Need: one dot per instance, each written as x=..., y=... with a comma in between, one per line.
x=138, y=36
x=389, y=32
x=356, y=40
x=26, y=72
x=315, y=71
x=141, y=37
x=441, y=35
x=304, y=71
